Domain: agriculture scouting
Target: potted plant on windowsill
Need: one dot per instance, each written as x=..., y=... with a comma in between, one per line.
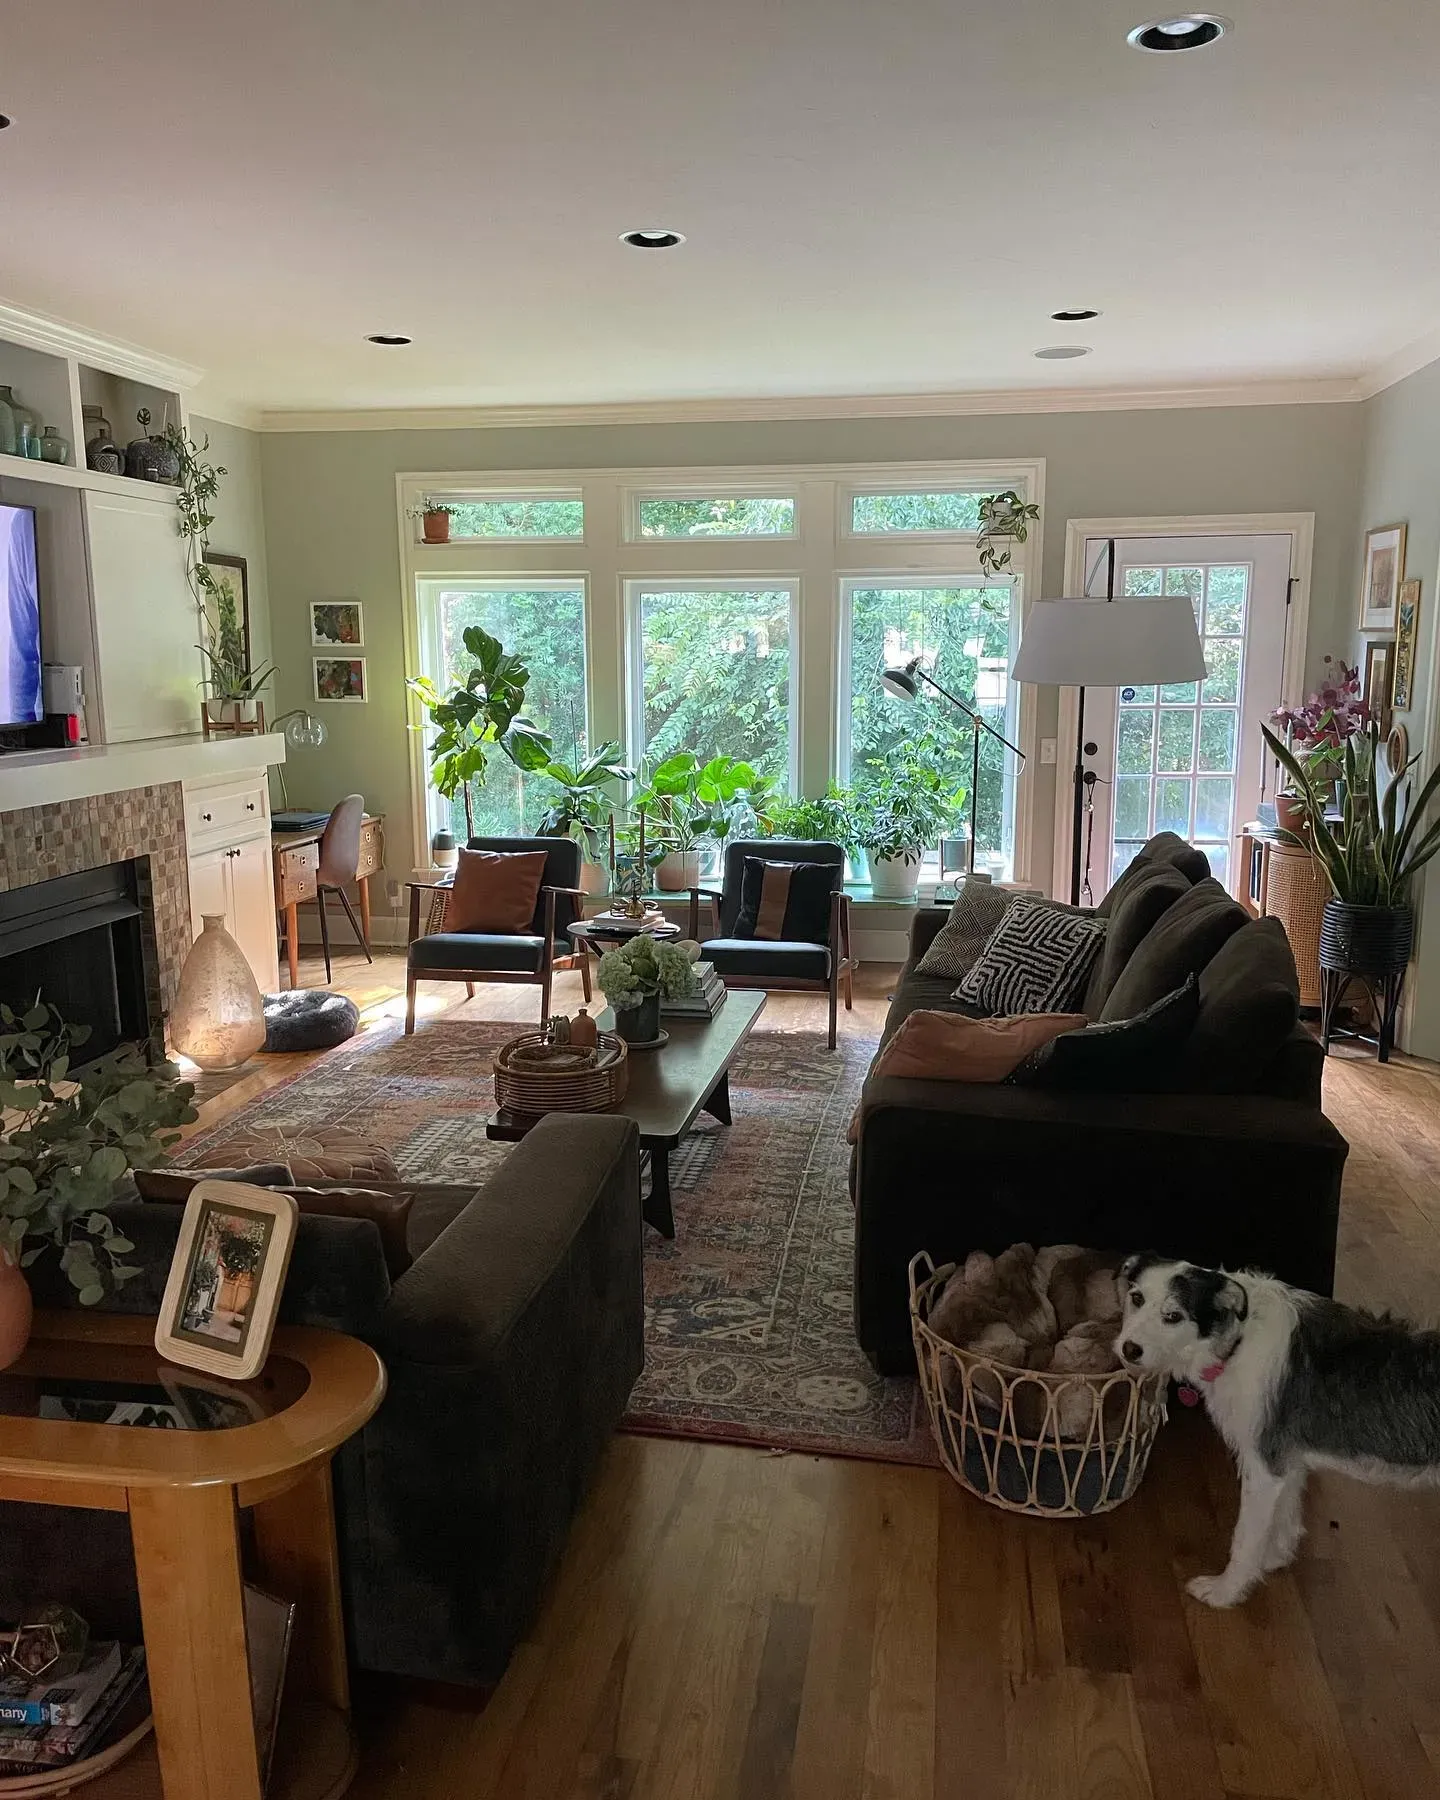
x=901, y=810
x=691, y=803
x=434, y=517
x=634, y=975
x=1370, y=859
x=584, y=810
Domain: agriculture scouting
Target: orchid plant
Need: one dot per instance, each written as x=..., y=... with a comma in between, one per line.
x=1318, y=731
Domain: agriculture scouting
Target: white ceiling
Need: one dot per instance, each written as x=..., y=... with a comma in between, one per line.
x=879, y=198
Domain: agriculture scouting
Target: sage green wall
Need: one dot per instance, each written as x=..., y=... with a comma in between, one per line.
x=239, y=528
x=330, y=524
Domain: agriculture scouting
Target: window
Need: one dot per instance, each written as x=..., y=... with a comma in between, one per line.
x=948, y=512
x=710, y=669
x=544, y=621
x=964, y=633
x=515, y=517
x=741, y=516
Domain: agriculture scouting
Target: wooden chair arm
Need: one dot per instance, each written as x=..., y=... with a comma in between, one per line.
x=696, y=895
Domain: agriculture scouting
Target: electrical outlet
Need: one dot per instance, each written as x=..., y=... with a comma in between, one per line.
x=392, y=888
x=1047, y=750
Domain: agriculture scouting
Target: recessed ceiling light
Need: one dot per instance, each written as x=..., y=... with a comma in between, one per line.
x=388, y=338
x=1080, y=312
x=1062, y=352
x=1183, y=31
x=652, y=240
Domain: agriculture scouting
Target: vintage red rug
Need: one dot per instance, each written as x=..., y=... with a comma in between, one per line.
x=748, y=1328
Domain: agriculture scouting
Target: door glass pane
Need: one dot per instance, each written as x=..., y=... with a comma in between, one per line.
x=1124, y=853
x=1218, y=856
x=1179, y=693
x=1134, y=742
x=1137, y=696
x=1217, y=739
x=758, y=516
x=1177, y=740
x=1143, y=581
x=1172, y=805
x=1225, y=591
x=1222, y=659
x=1185, y=581
x=1214, y=807
x=1132, y=806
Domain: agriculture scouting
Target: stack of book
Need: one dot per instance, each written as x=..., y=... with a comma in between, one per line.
x=704, y=1003
x=50, y=1724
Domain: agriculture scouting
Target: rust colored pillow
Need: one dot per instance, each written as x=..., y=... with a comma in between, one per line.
x=941, y=1046
x=389, y=1211
x=495, y=891
x=323, y=1155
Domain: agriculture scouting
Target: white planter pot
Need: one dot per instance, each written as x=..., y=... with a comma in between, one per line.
x=680, y=870
x=594, y=878
x=893, y=878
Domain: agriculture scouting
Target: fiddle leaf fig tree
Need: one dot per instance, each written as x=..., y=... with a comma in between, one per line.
x=68, y=1142
x=478, y=716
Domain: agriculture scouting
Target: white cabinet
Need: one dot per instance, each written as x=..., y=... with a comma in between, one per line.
x=227, y=826
x=146, y=621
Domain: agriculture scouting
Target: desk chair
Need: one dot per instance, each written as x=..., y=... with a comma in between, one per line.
x=339, y=862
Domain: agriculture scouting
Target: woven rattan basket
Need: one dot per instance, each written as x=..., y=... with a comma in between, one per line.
x=1053, y=1446
x=524, y=1085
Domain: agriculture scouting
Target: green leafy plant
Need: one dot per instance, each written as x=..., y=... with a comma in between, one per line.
x=904, y=804
x=644, y=966
x=1005, y=518
x=68, y=1142
x=690, y=801
x=422, y=507
x=830, y=819
x=477, y=716
x=582, y=808
x=1382, y=842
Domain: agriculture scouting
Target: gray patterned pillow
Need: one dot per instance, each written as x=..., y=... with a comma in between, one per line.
x=1038, y=960
x=978, y=909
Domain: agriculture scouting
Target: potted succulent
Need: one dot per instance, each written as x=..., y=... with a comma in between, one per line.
x=65, y=1145
x=584, y=810
x=689, y=803
x=434, y=517
x=1004, y=519
x=477, y=716
x=1317, y=734
x=902, y=809
x=1370, y=859
x=633, y=977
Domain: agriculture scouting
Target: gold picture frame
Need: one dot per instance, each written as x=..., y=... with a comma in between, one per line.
x=1378, y=680
x=1407, y=622
x=222, y=1296
x=1384, y=571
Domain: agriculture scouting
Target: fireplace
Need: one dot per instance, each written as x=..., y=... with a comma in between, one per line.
x=84, y=943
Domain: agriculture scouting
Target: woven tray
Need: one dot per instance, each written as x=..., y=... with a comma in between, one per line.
x=523, y=1086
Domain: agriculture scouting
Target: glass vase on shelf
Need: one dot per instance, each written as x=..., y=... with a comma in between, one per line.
x=53, y=447
x=20, y=414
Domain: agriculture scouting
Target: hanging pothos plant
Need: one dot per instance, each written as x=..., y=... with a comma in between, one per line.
x=1004, y=519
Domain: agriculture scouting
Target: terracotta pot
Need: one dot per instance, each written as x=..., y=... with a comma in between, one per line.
x=436, y=526
x=219, y=1018
x=679, y=870
x=1290, y=813
x=17, y=1312
x=594, y=878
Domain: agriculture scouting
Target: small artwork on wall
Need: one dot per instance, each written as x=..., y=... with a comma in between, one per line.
x=340, y=678
x=1384, y=569
x=1407, y=622
x=336, y=623
x=1378, y=682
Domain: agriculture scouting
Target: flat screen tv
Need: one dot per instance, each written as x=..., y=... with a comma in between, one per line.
x=20, y=701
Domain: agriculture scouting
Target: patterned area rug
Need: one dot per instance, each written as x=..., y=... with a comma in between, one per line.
x=748, y=1328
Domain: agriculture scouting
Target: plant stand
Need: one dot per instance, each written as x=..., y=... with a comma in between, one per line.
x=234, y=726
x=1371, y=945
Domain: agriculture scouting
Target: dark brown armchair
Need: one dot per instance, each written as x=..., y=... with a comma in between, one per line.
x=470, y=956
x=823, y=966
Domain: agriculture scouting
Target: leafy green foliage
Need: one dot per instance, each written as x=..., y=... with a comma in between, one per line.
x=68, y=1142
x=828, y=820
x=717, y=675
x=688, y=800
x=1004, y=518
x=756, y=516
x=516, y=518
x=915, y=512
x=581, y=807
x=906, y=804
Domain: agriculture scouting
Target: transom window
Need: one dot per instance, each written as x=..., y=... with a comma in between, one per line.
x=956, y=511
x=720, y=516
x=515, y=518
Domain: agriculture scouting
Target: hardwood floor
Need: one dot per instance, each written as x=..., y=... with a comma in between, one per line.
x=733, y=1625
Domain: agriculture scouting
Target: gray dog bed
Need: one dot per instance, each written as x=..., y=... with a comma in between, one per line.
x=308, y=1019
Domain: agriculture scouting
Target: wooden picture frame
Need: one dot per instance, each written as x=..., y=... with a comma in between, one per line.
x=1378, y=676
x=1407, y=622
x=340, y=678
x=232, y=572
x=337, y=625
x=222, y=1296
x=1384, y=571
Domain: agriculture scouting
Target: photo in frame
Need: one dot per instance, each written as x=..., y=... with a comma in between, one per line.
x=340, y=678
x=223, y=1292
x=337, y=624
x=232, y=576
x=1378, y=671
x=1407, y=620
x=1384, y=571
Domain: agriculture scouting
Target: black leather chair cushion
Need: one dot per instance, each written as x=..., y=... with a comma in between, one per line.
x=478, y=950
x=768, y=959
x=807, y=892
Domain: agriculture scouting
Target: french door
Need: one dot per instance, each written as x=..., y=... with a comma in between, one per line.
x=1188, y=756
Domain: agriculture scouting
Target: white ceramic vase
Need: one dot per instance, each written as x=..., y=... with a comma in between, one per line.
x=219, y=1018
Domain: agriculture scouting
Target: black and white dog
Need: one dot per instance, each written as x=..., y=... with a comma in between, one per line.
x=1293, y=1383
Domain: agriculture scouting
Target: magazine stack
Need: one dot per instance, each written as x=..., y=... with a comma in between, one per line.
x=50, y=1724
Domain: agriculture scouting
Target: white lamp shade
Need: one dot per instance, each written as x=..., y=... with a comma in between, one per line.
x=1110, y=643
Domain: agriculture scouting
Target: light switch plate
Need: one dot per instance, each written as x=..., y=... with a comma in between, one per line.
x=1047, y=750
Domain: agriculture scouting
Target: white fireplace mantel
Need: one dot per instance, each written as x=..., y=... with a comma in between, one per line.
x=46, y=777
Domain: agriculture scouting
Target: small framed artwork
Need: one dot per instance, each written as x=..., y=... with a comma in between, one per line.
x=1377, y=682
x=340, y=678
x=1407, y=620
x=336, y=624
x=223, y=1292
x=232, y=578
x=1384, y=570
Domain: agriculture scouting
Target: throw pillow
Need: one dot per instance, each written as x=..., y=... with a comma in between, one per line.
x=786, y=901
x=1146, y=898
x=1037, y=960
x=1249, y=1005
x=173, y=1185
x=978, y=909
x=495, y=891
x=1181, y=943
x=323, y=1155
x=1121, y=1056
x=1165, y=847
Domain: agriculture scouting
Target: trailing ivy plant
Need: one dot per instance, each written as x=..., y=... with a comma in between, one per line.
x=68, y=1142
x=1004, y=519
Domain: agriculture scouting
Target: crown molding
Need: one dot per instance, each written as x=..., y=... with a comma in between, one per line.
x=855, y=406
x=1407, y=360
x=221, y=409
x=59, y=338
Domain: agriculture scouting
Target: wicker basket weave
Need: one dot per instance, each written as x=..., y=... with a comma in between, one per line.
x=1296, y=893
x=1053, y=1446
x=524, y=1085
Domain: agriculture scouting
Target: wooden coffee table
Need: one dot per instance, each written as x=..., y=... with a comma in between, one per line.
x=669, y=1089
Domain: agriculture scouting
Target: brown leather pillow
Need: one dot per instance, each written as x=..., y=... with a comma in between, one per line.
x=325, y=1154
x=174, y=1185
x=390, y=1213
x=495, y=891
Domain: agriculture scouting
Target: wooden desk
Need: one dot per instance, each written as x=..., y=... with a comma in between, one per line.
x=183, y=1491
x=297, y=860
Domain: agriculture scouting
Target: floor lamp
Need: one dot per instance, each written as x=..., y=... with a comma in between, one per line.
x=901, y=684
x=1106, y=643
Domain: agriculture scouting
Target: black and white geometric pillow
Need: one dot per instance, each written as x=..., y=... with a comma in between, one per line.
x=1037, y=960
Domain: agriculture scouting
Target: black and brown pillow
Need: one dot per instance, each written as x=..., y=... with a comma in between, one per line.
x=786, y=902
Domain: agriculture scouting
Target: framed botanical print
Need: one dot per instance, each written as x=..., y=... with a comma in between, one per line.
x=340, y=678
x=1384, y=571
x=232, y=577
x=1378, y=675
x=336, y=624
x=1407, y=620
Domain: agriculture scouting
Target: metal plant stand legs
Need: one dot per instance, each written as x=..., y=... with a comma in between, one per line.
x=1384, y=990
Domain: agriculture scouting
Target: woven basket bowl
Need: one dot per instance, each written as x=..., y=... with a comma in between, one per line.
x=1028, y=1441
x=523, y=1088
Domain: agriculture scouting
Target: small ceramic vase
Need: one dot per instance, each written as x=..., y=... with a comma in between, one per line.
x=219, y=1017
x=17, y=1311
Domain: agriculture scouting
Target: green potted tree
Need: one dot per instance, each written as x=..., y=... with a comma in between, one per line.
x=584, y=810
x=902, y=808
x=477, y=716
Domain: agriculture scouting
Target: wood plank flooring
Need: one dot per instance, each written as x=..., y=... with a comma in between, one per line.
x=733, y=1625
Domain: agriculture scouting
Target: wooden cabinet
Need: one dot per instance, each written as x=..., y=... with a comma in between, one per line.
x=227, y=825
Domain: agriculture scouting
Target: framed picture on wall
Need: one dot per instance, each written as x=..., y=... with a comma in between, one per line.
x=340, y=678
x=336, y=624
x=1378, y=681
x=232, y=577
x=1384, y=571
x=1407, y=620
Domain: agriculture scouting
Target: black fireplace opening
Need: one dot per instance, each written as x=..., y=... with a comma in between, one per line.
x=79, y=942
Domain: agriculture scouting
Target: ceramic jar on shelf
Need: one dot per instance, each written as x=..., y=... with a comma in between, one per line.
x=102, y=453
